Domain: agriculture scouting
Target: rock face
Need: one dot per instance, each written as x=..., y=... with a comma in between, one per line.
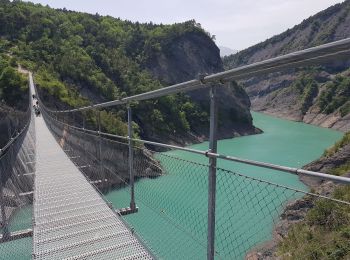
x=325, y=164
x=279, y=97
x=274, y=93
x=194, y=54
x=184, y=58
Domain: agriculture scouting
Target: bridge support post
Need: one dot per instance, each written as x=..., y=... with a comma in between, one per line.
x=100, y=145
x=212, y=174
x=83, y=142
x=131, y=160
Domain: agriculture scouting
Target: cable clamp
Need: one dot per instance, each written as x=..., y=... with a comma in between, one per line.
x=201, y=77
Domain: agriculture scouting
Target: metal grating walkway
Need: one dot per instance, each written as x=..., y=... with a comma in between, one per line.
x=71, y=220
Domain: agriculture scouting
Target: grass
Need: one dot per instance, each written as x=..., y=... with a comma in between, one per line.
x=324, y=234
x=338, y=145
x=325, y=231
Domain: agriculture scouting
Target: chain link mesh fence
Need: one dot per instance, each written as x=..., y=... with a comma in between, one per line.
x=17, y=168
x=172, y=196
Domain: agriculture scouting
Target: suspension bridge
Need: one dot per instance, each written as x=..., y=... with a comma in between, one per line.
x=59, y=168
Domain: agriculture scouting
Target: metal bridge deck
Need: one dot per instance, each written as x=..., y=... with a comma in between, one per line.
x=71, y=220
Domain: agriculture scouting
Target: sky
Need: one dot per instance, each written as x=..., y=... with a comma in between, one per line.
x=236, y=24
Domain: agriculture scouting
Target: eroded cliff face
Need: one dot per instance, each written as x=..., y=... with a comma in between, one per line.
x=277, y=93
x=184, y=58
x=194, y=54
x=279, y=97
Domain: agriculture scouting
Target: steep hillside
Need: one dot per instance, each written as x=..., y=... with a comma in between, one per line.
x=80, y=59
x=13, y=99
x=318, y=95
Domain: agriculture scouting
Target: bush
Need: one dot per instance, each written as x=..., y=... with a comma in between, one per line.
x=336, y=96
x=13, y=87
x=338, y=145
x=324, y=234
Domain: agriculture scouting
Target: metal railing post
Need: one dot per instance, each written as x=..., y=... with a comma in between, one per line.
x=100, y=144
x=131, y=159
x=212, y=174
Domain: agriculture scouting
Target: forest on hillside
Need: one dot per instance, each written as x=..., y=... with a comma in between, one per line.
x=79, y=59
x=13, y=99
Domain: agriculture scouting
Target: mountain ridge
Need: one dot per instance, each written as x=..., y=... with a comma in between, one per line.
x=300, y=94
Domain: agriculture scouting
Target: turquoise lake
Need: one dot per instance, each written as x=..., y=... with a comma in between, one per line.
x=172, y=217
x=21, y=248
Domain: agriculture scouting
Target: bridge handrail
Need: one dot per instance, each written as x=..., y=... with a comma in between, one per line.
x=311, y=56
x=292, y=170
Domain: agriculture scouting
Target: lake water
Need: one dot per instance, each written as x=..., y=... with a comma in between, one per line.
x=22, y=248
x=172, y=216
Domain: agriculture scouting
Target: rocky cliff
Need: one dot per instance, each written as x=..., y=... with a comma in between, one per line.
x=188, y=56
x=298, y=94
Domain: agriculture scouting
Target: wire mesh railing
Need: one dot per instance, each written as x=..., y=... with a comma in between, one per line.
x=17, y=168
x=172, y=196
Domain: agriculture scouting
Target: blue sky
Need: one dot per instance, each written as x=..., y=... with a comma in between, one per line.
x=237, y=24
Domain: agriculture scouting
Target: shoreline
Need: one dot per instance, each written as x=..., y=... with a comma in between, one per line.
x=323, y=120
